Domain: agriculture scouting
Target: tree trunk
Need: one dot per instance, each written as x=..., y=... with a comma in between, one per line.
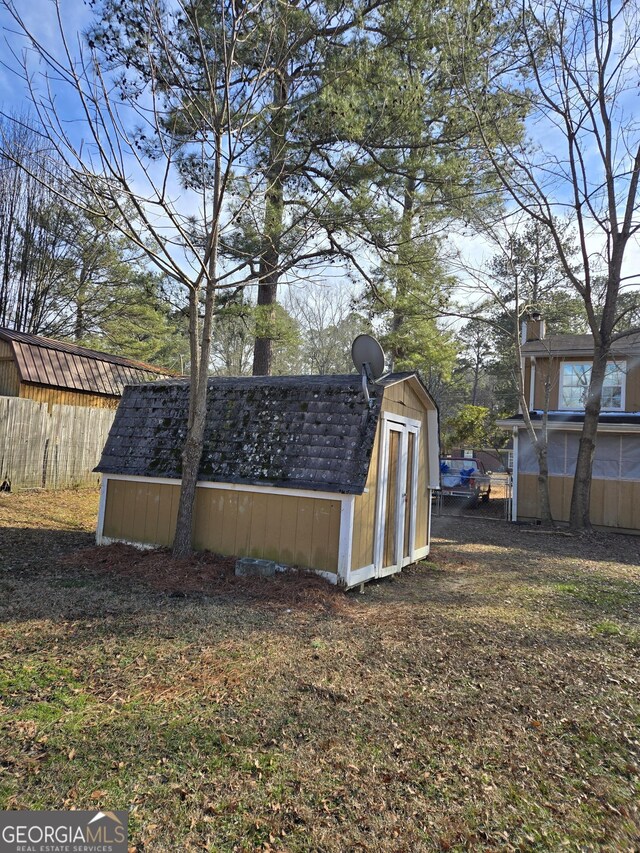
x=272, y=235
x=191, y=455
x=544, y=504
x=539, y=440
x=579, y=517
x=263, y=346
x=579, y=514
x=476, y=381
x=192, y=450
x=79, y=326
x=402, y=284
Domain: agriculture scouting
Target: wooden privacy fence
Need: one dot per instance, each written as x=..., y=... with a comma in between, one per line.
x=51, y=450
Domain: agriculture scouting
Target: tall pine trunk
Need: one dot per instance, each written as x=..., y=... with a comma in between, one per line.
x=402, y=285
x=272, y=232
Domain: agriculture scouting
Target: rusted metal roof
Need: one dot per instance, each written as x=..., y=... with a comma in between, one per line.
x=304, y=432
x=58, y=364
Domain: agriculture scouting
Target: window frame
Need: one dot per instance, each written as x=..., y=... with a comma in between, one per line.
x=617, y=364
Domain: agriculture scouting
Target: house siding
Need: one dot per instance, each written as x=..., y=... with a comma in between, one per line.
x=632, y=392
x=614, y=503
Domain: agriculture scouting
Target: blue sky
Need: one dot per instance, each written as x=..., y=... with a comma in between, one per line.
x=40, y=17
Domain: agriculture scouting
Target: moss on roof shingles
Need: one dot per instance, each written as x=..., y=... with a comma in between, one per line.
x=306, y=432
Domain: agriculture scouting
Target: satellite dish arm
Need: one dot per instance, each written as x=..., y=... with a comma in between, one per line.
x=367, y=377
x=365, y=389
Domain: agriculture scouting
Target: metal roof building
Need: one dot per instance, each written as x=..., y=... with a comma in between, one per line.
x=52, y=371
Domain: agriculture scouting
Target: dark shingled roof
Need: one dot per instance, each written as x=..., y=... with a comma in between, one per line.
x=577, y=345
x=306, y=432
x=64, y=365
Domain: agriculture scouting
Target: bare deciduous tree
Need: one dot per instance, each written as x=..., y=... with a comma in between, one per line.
x=578, y=62
x=328, y=324
x=167, y=115
x=507, y=291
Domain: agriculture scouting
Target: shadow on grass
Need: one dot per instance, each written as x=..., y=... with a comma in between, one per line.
x=60, y=576
x=534, y=543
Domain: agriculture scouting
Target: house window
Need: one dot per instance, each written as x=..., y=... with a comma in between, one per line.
x=574, y=385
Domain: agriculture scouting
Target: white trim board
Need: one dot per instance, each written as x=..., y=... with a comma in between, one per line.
x=401, y=419
x=421, y=553
x=571, y=426
x=532, y=385
x=233, y=487
x=345, y=543
x=361, y=575
x=101, y=510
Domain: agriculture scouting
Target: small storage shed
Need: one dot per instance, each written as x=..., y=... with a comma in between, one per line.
x=58, y=372
x=296, y=469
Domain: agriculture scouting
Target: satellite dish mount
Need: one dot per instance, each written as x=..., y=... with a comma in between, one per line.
x=368, y=358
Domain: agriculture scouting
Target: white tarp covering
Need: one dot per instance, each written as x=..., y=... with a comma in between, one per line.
x=457, y=472
x=617, y=457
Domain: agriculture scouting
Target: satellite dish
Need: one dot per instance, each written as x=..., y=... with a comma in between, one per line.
x=368, y=358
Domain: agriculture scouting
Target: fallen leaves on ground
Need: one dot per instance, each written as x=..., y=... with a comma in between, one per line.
x=486, y=699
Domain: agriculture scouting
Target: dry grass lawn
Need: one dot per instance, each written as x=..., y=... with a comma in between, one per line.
x=488, y=699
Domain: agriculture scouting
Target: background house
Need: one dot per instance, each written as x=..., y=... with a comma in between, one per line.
x=51, y=372
x=561, y=364
x=296, y=469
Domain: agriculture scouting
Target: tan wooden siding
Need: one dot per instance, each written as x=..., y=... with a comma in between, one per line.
x=141, y=512
x=614, y=503
x=293, y=530
x=527, y=379
x=9, y=376
x=401, y=399
x=543, y=365
x=632, y=402
x=58, y=396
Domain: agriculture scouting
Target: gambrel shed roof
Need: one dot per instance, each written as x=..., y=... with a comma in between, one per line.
x=59, y=364
x=306, y=432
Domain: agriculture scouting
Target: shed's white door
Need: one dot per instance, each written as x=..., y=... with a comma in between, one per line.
x=397, y=495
